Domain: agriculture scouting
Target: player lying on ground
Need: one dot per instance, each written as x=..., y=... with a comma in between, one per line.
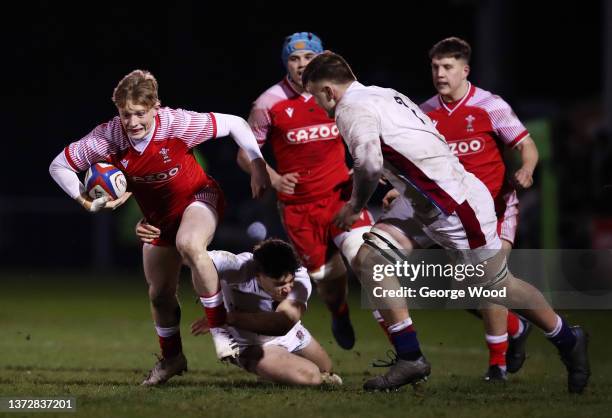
x=311, y=179
x=152, y=145
x=266, y=294
x=387, y=133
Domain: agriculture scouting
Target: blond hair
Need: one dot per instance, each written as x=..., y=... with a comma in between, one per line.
x=139, y=87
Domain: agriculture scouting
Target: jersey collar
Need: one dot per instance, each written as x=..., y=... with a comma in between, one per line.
x=305, y=95
x=354, y=86
x=468, y=94
x=142, y=144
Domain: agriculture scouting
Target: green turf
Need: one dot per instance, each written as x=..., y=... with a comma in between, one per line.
x=92, y=338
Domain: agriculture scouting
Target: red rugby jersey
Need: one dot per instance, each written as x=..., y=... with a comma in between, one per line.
x=303, y=140
x=163, y=177
x=477, y=127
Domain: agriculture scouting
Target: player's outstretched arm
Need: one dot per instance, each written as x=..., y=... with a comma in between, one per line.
x=281, y=183
x=367, y=167
x=529, y=157
x=360, y=129
x=241, y=132
x=260, y=179
x=280, y=322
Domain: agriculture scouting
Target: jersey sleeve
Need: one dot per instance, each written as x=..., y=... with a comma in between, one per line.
x=64, y=174
x=260, y=122
x=430, y=105
x=358, y=125
x=95, y=147
x=504, y=121
x=193, y=128
x=302, y=288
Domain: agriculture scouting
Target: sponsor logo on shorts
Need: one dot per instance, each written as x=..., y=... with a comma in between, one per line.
x=323, y=132
x=300, y=335
x=467, y=146
x=160, y=177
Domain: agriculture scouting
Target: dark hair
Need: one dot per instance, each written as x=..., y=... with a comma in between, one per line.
x=451, y=47
x=328, y=66
x=276, y=258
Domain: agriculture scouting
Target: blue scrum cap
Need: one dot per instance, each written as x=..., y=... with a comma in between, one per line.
x=299, y=41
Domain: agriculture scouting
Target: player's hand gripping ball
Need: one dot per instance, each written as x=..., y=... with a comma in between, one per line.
x=105, y=180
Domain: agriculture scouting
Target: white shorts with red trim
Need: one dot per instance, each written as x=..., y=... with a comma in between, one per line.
x=508, y=222
x=401, y=216
x=473, y=225
x=296, y=339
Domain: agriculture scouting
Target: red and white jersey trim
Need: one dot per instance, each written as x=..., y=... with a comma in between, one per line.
x=504, y=121
x=458, y=105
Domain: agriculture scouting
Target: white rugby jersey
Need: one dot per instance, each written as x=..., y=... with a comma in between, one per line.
x=417, y=159
x=241, y=291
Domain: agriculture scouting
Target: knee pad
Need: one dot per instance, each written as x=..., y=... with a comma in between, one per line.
x=333, y=269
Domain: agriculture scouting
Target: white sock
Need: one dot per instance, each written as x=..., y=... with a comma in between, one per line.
x=376, y=314
x=166, y=332
x=556, y=330
x=399, y=326
x=212, y=301
x=496, y=339
x=521, y=328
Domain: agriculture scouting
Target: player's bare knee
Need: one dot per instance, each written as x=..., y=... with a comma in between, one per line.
x=190, y=248
x=363, y=254
x=308, y=375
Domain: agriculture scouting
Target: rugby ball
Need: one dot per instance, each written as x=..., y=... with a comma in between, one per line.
x=102, y=179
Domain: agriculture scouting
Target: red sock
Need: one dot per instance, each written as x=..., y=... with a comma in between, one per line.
x=498, y=345
x=215, y=309
x=513, y=324
x=169, y=340
x=171, y=346
x=342, y=310
x=381, y=323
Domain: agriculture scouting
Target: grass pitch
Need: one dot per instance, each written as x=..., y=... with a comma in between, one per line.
x=92, y=338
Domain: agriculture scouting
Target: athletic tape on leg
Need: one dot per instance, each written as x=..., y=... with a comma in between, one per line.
x=377, y=242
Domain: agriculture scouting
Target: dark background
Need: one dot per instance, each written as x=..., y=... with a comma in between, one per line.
x=61, y=62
